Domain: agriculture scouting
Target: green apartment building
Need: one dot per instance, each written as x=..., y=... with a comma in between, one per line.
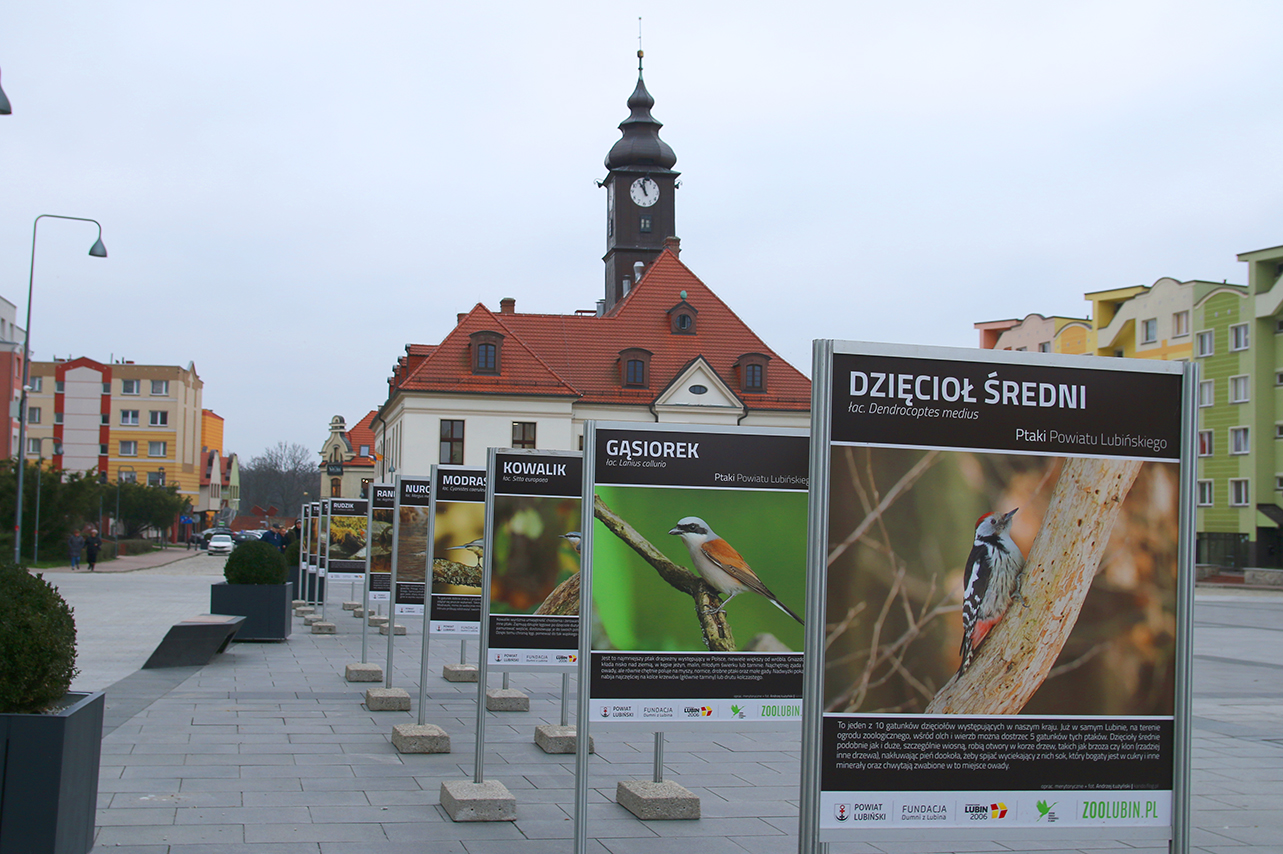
x=1240, y=416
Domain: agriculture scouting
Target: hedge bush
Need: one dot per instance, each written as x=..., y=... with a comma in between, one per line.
x=291, y=553
x=37, y=642
x=255, y=562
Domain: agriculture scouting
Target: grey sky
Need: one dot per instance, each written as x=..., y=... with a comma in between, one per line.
x=292, y=191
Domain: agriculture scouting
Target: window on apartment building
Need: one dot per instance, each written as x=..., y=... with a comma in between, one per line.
x=57, y=449
x=1239, y=338
x=106, y=388
x=1205, y=343
x=1204, y=443
x=1239, y=390
x=156, y=478
x=1204, y=493
x=1239, y=492
x=59, y=387
x=1180, y=324
x=36, y=383
x=57, y=418
x=129, y=386
x=365, y=451
x=35, y=447
x=1021, y=349
x=1044, y=346
x=451, y=442
x=103, y=450
x=157, y=449
x=159, y=418
x=129, y=418
x=33, y=414
x=487, y=353
x=104, y=418
x=336, y=487
x=1239, y=440
x=523, y=434
x=487, y=358
x=128, y=448
x=160, y=387
x=1149, y=330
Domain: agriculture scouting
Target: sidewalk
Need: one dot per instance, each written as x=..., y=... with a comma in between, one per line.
x=132, y=563
x=268, y=750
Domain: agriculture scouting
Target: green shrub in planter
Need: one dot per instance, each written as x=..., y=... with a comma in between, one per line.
x=254, y=562
x=37, y=642
x=291, y=553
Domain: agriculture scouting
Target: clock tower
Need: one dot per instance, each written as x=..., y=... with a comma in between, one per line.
x=639, y=194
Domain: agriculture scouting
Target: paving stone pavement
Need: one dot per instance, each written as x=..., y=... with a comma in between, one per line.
x=268, y=750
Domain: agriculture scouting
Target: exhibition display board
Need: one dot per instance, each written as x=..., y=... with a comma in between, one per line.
x=1001, y=570
x=411, y=521
x=531, y=565
x=456, y=528
x=379, y=537
x=347, y=539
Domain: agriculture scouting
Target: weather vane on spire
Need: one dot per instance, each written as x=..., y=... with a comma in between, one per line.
x=640, y=52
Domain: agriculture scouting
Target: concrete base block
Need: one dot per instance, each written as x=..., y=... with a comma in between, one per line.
x=558, y=739
x=358, y=612
x=351, y=606
x=298, y=603
x=311, y=619
x=459, y=673
x=412, y=738
x=387, y=700
x=651, y=801
x=396, y=629
x=506, y=700
x=467, y=801
x=376, y=620
x=304, y=610
x=363, y=673
x=323, y=628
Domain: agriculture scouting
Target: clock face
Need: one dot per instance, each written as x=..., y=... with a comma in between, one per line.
x=645, y=192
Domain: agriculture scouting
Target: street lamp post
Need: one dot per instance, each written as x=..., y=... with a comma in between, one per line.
x=97, y=251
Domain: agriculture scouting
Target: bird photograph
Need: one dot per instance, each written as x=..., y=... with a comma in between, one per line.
x=534, y=551
x=457, y=534
x=757, y=548
x=942, y=565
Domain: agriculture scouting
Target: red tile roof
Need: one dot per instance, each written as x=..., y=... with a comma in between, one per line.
x=362, y=433
x=577, y=355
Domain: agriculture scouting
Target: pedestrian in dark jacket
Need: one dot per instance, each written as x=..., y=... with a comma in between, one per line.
x=93, y=543
x=75, y=543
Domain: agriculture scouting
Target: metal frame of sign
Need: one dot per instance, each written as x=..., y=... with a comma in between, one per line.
x=439, y=472
x=382, y=497
x=323, y=555
x=585, y=701
x=304, y=553
x=812, y=837
x=313, y=552
x=399, y=482
x=357, y=508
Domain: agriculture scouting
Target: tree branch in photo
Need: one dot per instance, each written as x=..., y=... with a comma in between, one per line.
x=1020, y=651
x=717, y=633
x=458, y=574
x=563, y=601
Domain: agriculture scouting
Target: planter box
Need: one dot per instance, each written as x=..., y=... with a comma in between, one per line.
x=49, y=791
x=265, y=607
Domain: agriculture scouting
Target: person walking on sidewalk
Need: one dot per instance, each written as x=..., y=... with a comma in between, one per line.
x=93, y=543
x=74, y=544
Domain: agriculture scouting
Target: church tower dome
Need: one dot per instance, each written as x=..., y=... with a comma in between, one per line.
x=640, y=210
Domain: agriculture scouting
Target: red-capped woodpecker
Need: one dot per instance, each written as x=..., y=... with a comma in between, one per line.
x=991, y=580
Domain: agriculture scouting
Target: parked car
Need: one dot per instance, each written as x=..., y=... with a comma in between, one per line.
x=245, y=536
x=221, y=544
x=202, y=542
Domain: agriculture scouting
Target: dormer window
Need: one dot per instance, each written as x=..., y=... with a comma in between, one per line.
x=634, y=367
x=681, y=318
x=485, y=352
x=752, y=372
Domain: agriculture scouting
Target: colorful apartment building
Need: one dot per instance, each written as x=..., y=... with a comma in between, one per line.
x=1240, y=416
x=1138, y=321
x=11, y=337
x=139, y=423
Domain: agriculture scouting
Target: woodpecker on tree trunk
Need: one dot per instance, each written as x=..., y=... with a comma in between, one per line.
x=991, y=581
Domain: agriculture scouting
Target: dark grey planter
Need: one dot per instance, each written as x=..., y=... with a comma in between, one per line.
x=266, y=608
x=49, y=791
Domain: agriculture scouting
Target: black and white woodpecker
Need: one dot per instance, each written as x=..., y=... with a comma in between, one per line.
x=991, y=581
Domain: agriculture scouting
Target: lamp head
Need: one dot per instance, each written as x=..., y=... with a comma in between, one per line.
x=5, y=109
x=98, y=250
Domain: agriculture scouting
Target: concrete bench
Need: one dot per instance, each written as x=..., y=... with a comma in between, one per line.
x=194, y=642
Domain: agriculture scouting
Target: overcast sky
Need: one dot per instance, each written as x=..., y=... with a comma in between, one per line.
x=290, y=192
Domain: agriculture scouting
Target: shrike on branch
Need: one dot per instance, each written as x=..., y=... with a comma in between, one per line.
x=721, y=567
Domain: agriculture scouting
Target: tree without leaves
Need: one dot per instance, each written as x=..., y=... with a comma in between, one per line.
x=278, y=477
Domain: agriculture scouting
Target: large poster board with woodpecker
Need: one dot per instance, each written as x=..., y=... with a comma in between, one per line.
x=696, y=551
x=531, y=564
x=1001, y=544
x=456, y=543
